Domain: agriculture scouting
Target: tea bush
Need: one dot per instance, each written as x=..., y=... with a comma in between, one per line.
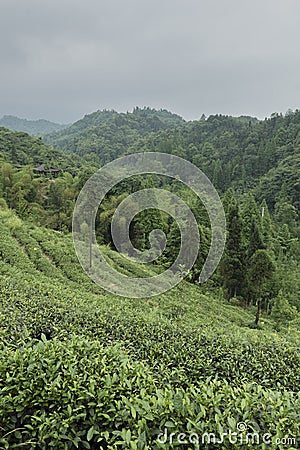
x=80, y=394
x=80, y=368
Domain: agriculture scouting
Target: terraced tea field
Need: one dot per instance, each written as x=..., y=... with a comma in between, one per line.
x=81, y=368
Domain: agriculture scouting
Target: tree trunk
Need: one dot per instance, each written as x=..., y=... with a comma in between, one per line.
x=258, y=311
x=91, y=246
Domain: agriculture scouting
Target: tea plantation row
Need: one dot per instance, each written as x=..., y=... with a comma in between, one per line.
x=80, y=368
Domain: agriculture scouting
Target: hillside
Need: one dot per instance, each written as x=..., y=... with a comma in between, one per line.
x=238, y=152
x=105, y=135
x=81, y=366
x=38, y=127
x=20, y=149
x=286, y=173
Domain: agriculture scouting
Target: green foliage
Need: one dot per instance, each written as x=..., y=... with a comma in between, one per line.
x=78, y=394
x=80, y=368
x=20, y=149
x=261, y=271
x=282, y=312
x=104, y=135
x=233, y=264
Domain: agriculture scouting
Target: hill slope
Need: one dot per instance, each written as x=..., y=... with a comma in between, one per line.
x=234, y=152
x=20, y=149
x=81, y=368
x=105, y=135
x=76, y=361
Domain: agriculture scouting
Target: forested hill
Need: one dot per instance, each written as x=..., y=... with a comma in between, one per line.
x=105, y=135
x=238, y=152
x=33, y=127
x=20, y=149
x=76, y=360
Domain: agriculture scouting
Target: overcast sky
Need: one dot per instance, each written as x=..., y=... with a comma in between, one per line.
x=61, y=59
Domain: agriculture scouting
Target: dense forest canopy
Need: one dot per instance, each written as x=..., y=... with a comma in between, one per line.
x=20, y=149
x=233, y=152
x=105, y=135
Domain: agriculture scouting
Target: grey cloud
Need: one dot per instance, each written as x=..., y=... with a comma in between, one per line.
x=62, y=59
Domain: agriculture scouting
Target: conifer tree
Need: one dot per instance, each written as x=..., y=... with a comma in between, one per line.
x=255, y=240
x=232, y=265
x=262, y=278
x=266, y=224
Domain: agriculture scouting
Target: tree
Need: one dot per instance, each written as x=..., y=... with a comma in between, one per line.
x=255, y=239
x=218, y=178
x=261, y=277
x=266, y=223
x=233, y=263
x=285, y=211
x=282, y=312
x=250, y=214
x=228, y=201
x=56, y=202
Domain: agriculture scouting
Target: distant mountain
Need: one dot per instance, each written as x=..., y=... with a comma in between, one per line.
x=38, y=127
x=105, y=135
x=142, y=119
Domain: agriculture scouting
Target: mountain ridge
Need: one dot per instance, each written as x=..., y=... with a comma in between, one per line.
x=37, y=127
